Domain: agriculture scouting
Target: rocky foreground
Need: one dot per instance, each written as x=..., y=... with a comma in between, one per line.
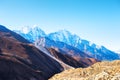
x=99, y=71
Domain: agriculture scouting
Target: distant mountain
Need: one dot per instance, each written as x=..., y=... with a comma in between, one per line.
x=93, y=50
x=31, y=33
x=65, y=48
x=98, y=52
x=74, y=57
x=66, y=37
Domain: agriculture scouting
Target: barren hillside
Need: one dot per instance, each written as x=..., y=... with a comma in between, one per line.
x=98, y=71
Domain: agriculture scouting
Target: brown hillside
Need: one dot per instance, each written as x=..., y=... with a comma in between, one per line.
x=30, y=56
x=98, y=71
x=12, y=69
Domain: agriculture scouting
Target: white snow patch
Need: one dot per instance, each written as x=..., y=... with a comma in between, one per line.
x=98, y=46
x=91, y=43
x=25, y=29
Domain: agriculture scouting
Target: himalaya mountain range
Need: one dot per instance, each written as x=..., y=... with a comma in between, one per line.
x=40, y=56
x=66, y=42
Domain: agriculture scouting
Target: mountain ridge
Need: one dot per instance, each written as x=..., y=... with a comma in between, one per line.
x=98, y=52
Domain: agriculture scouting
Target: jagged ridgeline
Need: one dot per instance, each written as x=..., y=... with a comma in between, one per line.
x=63, y=37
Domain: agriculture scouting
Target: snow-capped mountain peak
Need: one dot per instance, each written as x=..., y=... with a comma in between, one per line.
x=66, y=37
x=64, y=31
x=25, y=29
x=31, y=33
x=34, y=26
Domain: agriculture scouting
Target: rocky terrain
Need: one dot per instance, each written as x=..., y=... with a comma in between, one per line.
x=98, y=71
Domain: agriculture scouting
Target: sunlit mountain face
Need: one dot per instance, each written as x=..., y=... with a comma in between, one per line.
x=62, y=37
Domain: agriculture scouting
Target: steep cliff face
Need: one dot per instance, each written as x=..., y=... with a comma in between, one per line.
x=98, y=71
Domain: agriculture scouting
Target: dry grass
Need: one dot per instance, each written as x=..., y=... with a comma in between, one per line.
x=98, y=71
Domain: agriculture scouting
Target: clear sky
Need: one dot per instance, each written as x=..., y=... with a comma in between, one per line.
x=95, y=20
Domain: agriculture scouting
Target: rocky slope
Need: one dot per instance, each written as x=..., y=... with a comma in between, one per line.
x=98, y=71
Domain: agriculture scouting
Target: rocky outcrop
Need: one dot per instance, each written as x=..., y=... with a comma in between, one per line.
x=98, y=71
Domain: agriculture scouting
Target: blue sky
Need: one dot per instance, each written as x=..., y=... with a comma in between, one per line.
x=95, y=20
